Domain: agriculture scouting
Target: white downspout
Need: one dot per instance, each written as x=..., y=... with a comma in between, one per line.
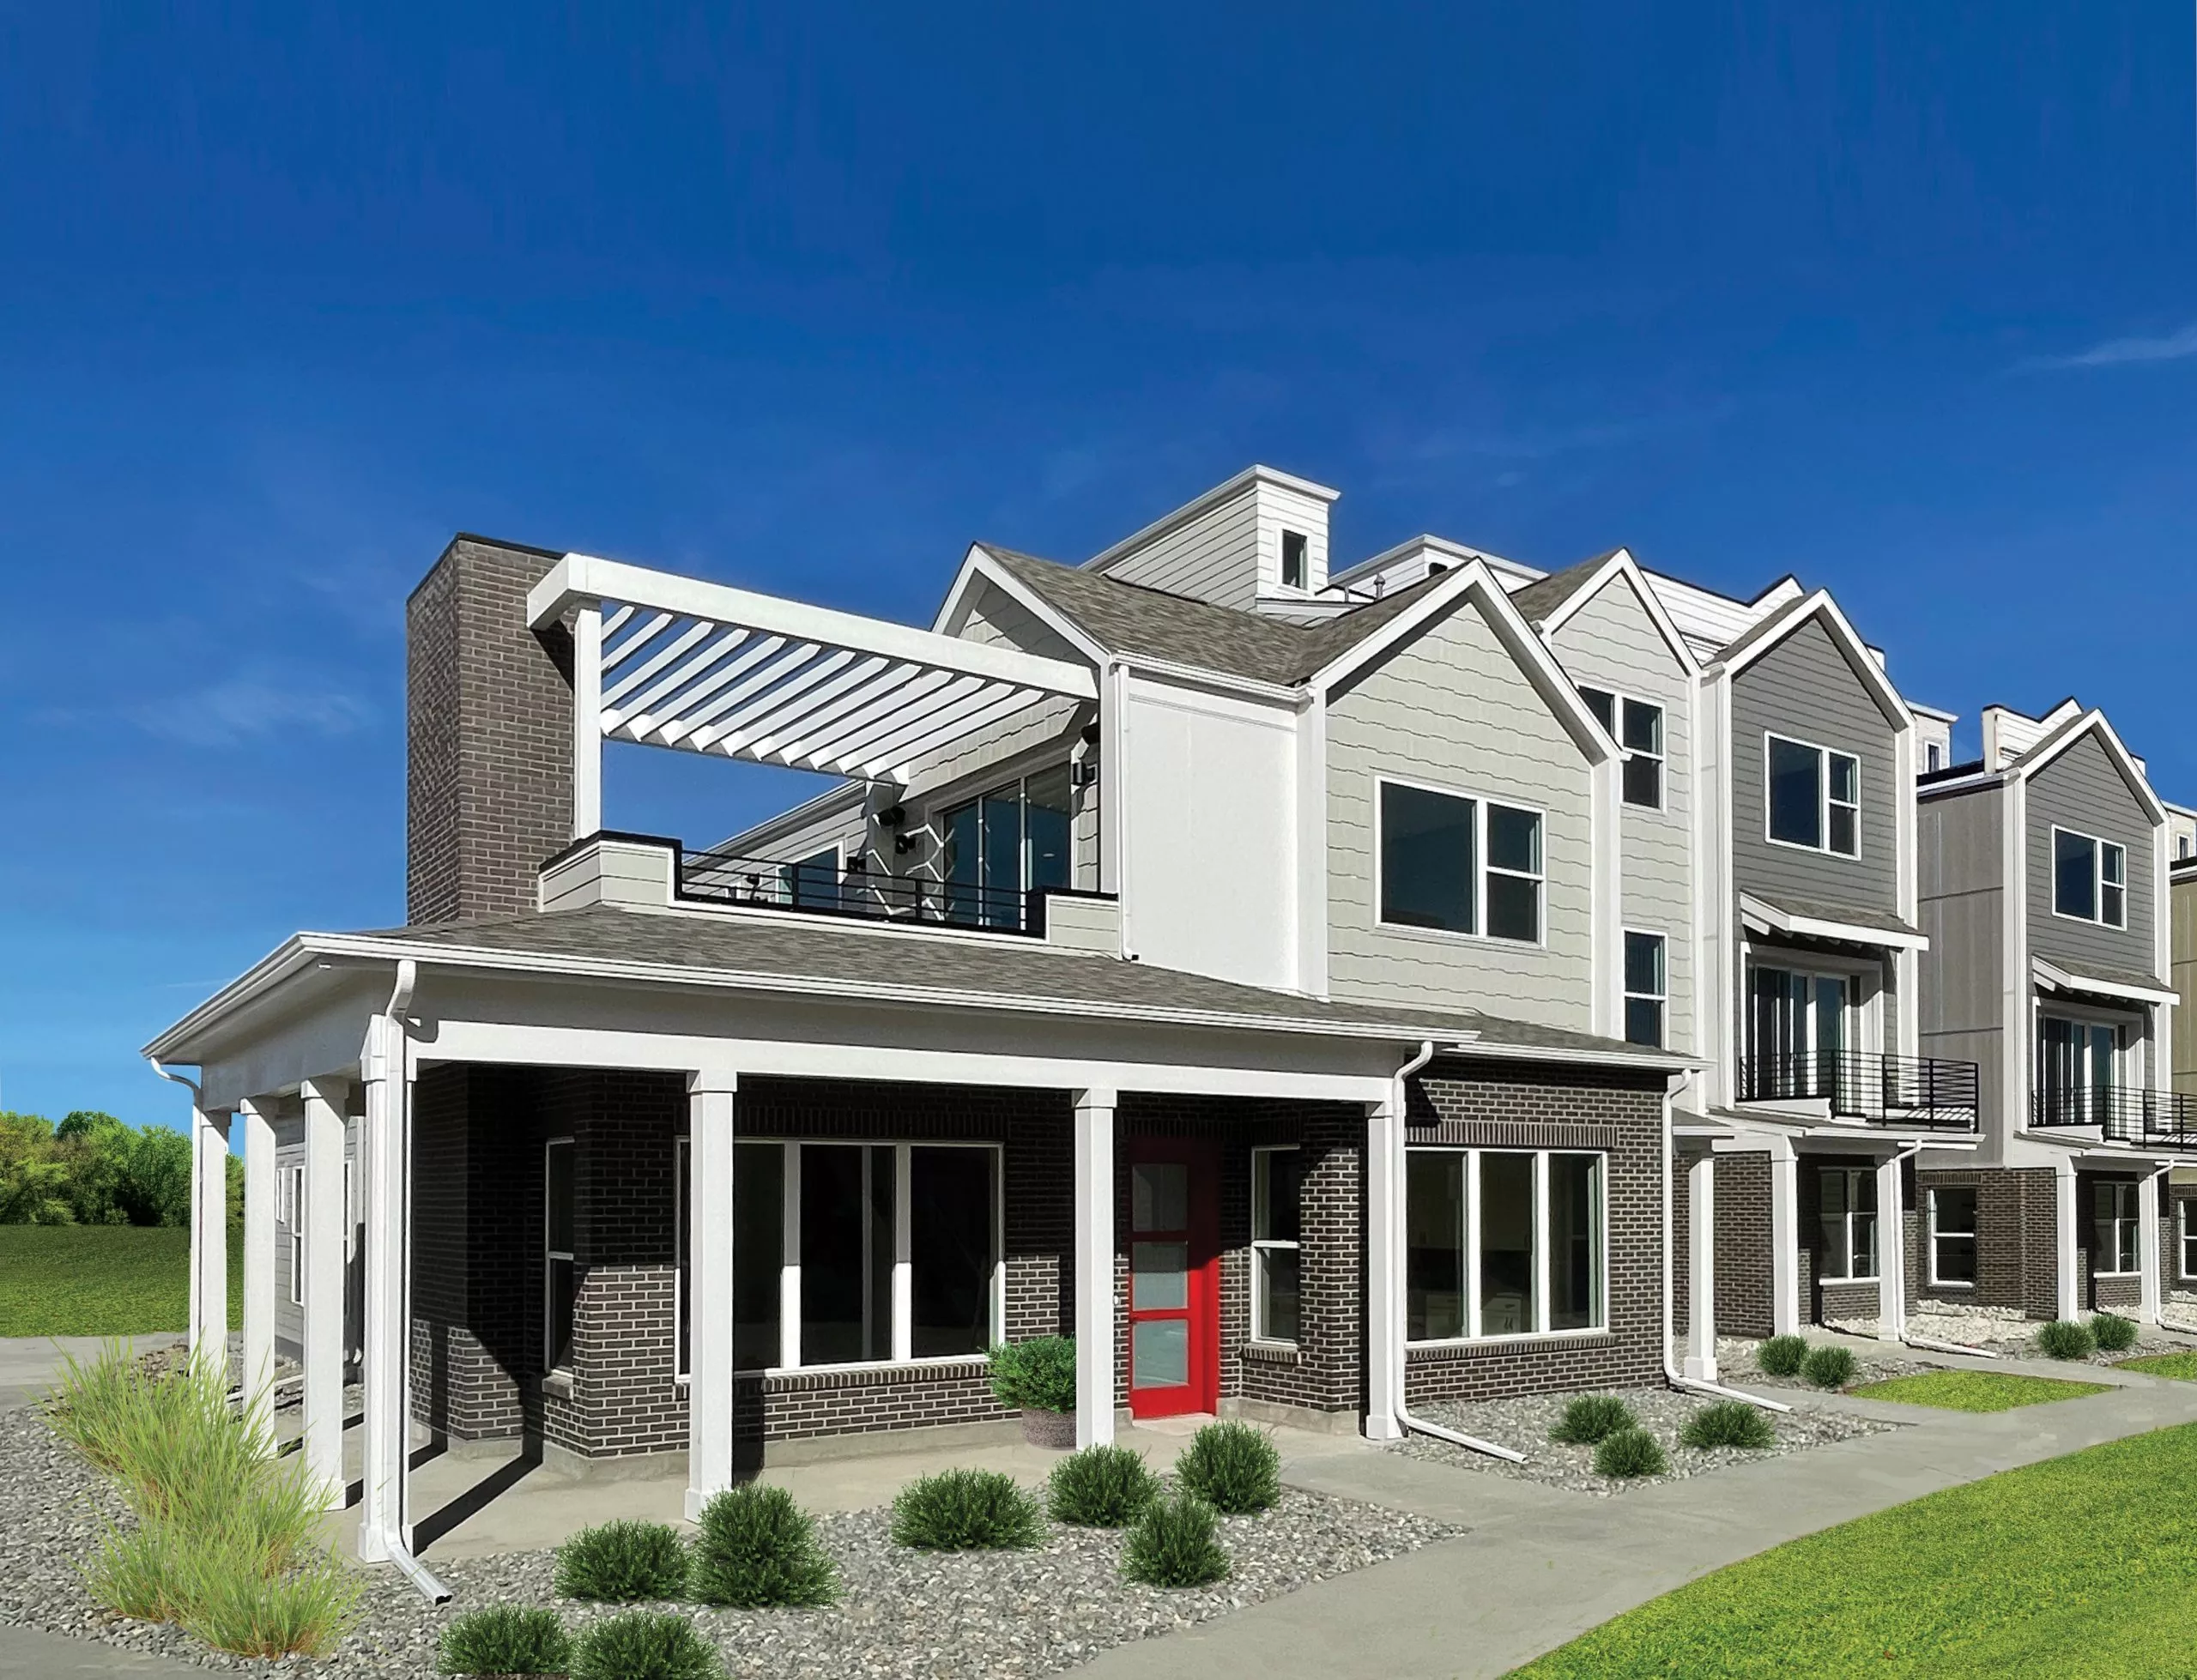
x=1671, y=1373
x=2155, y=1274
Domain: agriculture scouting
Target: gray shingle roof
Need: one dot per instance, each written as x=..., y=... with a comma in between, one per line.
x=1815, y=909
x=1538, y=600
x=2100, y=971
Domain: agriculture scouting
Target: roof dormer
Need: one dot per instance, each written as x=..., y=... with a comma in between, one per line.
x=1258, y=541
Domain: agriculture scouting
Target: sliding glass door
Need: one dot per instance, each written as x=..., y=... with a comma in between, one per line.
x=1797, y=1034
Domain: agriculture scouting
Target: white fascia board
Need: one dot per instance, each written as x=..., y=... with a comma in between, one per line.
x=1935, y=713
x=2050, y=975
x=1820, y=608
x=1222, y=682
x=2095, y=722
x=585, y=578
x=1220, y=492
x=1769, y=918
x=1622, y=565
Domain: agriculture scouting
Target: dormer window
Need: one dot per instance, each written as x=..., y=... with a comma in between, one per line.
x=1814, y=797
x=1296, y=565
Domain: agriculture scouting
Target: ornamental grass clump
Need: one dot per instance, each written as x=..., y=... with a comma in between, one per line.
x=1174, y=1543
x=622, y=1563
x=1101, y=1487
x=1728, y=1423
x=506, y=1641
x=964, y=1510
x=1630, y=1452
x=2112, y=1332
x=757, y=1550
x=1592, y=1417
x=645, y=1644
x=2064, y=1339
x=1782, y=1355
x=1233, y=1466
x=1829, y=1367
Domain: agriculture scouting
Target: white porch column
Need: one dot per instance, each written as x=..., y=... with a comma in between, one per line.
x=1784, y=1238
x=1891, y=1251
x=2147, y=1244
x=1384, y=1252
x=210, y=1234
x=587, y=721
x=322, y=1228
x=711, y=1098
x=1094, y=1268
x=1701, y=1268
x=386, y=1147
x=2070, y=1284
x=258, y=1259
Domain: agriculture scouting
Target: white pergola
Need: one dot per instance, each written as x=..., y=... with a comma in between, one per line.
x=697, y=667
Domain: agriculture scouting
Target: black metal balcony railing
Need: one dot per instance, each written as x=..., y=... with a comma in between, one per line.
x=1864, y=1084
x=2124, y=1113
x=827, y=890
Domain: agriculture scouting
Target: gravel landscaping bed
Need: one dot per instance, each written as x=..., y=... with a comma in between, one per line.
x=1735, y=1366
x=903, y=1614
x=2010, y=1334
x=1523, y=1423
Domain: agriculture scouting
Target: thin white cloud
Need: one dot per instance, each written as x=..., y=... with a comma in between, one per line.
x=228, y=714
x=2118, y=352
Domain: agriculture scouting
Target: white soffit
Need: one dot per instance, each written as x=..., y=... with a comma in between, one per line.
x=706, y=667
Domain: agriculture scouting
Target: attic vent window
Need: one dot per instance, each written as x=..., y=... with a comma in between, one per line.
x=1293, y=565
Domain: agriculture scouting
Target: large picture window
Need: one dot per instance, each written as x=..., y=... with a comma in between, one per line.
x=1953, y=1236
x=1276, y=1184
x=2114, y=1205
x=999, y=848
x=557, y=1236
x=1814, y=796
x=1459, y=865
x=1502, y=1242
x=1849, y=1224
x=2090, y=879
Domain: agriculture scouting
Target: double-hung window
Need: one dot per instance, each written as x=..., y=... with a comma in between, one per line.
x=1849, y=1224
x=1460, y=865
x=2114, y=1208
x=2185, y=1227
x=1953, y=1236
x=557, y=1233
x=1502, y=1242
x=1814, y=796
x=999, y=848
x=290, y=1214
x=1637, y=726
x=1647, y=994
x=2090, y=879
x=1276, y=1184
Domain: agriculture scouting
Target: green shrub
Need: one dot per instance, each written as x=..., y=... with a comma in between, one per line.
x=504, y=1640
x=2113, y=1333
x=1173, y=1544
x=619, y=1562
x=1593, y=1417
x=1782, y=1355
x=1630, y=1452
x=234, y=1607
x=1036, y=1375
x=1728, y=1423
x=1101, y=1487
x=758, y=1550
x=1829, y=1367
x=2064, y=1339
x=1233, y=1466
x=964, y=1510
x=645, y=1644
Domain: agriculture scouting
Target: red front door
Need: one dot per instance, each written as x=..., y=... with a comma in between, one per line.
x=1174, y=1304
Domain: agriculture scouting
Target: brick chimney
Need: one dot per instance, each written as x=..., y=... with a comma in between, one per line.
x=488, y=716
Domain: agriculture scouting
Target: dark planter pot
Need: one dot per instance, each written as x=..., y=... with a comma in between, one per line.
x=1054, y=1430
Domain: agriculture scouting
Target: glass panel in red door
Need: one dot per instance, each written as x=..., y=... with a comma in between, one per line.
x=1174, y=1294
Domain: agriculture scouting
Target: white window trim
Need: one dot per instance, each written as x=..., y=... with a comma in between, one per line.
x=1619, y=699
x=1474, y=1335
x=1303, y=588
x=1868, y=1173
x=1864, y=998
x=1977, y=1218
x=2132, y=1219
x=2098, y=882
x=2186, y=1230
x=550, y=1255
x=1629, y=996
x=1262, y=1245
x=292, y=1181
x=1481, y=869
x=1823, y=801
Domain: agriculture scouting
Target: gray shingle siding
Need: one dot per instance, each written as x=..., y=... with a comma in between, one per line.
x=2081, y=790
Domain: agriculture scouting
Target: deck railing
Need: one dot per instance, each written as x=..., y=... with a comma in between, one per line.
x=1867, y=1085
x=2123, y=1113
x=823, y=888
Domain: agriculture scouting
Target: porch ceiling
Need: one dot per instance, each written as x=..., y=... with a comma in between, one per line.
x=706, y=667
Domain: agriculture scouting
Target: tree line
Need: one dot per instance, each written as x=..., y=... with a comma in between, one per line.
x=94, y=1169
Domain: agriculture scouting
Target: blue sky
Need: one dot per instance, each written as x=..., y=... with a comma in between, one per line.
x=1897, y=297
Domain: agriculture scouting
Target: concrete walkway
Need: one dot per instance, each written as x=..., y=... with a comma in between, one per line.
x=25, y=1655
x=1542, y=1565
x=30, y=1365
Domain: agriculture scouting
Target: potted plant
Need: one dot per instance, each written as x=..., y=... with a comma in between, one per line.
x=1038, y=1378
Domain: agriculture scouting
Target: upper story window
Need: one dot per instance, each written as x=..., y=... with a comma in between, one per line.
x=1296, y=565
x=1814, y=797
x=813, y=882
x=1637, y=726
x=1934, y=758
x=2090, y=879
x=1646, y=991
x=1459, y=865
x=1005, y=845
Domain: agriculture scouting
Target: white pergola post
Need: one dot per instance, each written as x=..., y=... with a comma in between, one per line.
x=587, y=721
x=210, y=1235
x=322, y=1226
x=1784, y=1240
x=1094, y=1268
x=1891, y=1251
x=386, y=1146
x=2147, y=1246
x=2070, y=1289
x=1701, y=1268
x=258, y=1260
x=1385, y=1260
x=711, y=1101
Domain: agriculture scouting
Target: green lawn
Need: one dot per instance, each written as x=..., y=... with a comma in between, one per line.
x=2181, y=1365
x=2081, y=1566
x=102, y=1280
x=1976, y=1391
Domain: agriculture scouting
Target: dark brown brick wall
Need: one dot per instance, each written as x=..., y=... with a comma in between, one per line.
x=1528, y=1107
x=488, y=735
x=2116, y=1294
x=1745, y=1306
x=2016, y=1215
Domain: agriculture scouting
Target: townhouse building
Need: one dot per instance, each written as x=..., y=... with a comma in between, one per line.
x=1321, y=991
